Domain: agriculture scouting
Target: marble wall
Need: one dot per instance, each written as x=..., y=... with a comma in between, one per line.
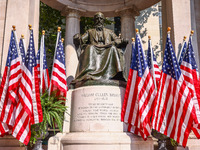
x=19, y=13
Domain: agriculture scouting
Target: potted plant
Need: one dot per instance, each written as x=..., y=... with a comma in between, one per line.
x=53, y=108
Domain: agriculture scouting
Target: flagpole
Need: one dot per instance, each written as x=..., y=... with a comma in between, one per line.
x=22, y=37
x=41, y=60
x=62, y=39
x=180, y=51
x=191, y=34
x=18, y=50
x=59, y=32
x=133, y=46
x=152, y=65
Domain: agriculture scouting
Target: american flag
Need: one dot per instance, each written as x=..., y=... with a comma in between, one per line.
x=22, y=49
x=174, y=110
x=152, y=64
x=44, y=81
x=9, y=87
x=29, y=110
x=190, y=73
x=139, y=95
x=58, y=77
x=182, y=52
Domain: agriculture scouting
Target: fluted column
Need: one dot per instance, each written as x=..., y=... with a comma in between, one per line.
x=72, y=25
x=128, y=31
x=72, y=28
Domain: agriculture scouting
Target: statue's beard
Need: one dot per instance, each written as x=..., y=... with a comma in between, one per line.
x=99, y=27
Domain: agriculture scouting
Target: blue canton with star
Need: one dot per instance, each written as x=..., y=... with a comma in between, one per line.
x=170, y=64
x=30, y=60
x=138, y=61
x=60, y=56
x=21, y=47
x=12, y=52
x=149, y=55
x=183, y=53
x=44, y=58
x=190, y=56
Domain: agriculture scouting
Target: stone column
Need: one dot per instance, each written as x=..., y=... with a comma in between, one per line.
x=195, y=8
x=72, y=28
x=19, y=13
x=128, y=31
x=179, y=19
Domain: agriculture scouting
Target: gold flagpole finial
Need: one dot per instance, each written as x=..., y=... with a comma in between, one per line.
x=14, y=27
x=133, y=39
x=149, y=37
x=192, y=32
x=30, y=27
x=62, y=40
x=22, y=36
x=136, y=30
x=168, y=30
x=184, y=38
x=59, y=28
x=43, y=32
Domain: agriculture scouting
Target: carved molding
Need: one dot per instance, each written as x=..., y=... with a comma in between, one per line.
x=70, y=12
x=131, y=11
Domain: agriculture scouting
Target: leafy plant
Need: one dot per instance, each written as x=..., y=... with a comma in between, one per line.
x=53, y=108
x=173, y=142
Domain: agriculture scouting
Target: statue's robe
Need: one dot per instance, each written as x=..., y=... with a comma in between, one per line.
x=100, y=59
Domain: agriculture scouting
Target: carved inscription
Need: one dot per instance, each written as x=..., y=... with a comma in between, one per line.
x=101, y=107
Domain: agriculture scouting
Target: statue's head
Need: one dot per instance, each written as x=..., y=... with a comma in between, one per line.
x=99, y=20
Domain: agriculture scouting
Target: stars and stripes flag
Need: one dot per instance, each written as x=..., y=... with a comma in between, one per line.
x=22, y=48
x=174, y=110
x=42, y=67
x=58, y=82
x=182, y=51
x=9, y=87
x=28, y=110
x=191, y=74
x=152, y=64
x=139, y=95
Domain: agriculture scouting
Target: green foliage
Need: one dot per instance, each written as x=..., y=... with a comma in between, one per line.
x=50, y=20
x=53, y=108
x=173, y=142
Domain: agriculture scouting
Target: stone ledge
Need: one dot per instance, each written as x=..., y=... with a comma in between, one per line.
x=103, y=138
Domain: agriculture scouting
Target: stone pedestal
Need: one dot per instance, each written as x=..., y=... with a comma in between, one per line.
x=97, y=109
x=95, y=122
x=104, y=141
x=8, y=142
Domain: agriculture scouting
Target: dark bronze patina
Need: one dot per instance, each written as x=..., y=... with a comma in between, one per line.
x=101, y=56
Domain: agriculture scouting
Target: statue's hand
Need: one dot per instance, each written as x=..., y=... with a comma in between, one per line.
x=77, y=39
x=124, y=42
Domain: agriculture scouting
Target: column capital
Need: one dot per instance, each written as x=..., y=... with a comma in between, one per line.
x=72, y=12
x=128, y=12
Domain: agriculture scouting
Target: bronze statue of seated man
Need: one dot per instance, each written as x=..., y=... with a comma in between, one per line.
x=102, y=55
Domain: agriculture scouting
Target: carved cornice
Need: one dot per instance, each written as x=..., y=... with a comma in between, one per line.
x=130, y=11
x=70, y=12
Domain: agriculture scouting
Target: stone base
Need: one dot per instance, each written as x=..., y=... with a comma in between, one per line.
x=104, y=141
x=8, y=142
